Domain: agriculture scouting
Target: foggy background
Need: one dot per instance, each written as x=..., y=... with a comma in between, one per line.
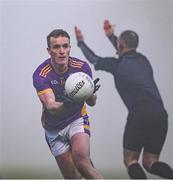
x=24, y=27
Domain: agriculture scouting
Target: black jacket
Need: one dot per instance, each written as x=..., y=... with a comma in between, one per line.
x=133, y=76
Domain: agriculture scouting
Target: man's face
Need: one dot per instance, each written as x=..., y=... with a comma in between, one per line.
x=59, y=50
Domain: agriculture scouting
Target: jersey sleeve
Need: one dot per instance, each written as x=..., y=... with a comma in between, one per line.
x=40, y=84
x=87, y=69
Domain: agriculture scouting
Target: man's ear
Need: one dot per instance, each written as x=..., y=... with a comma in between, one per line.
x=48, y=50
x=121, y=47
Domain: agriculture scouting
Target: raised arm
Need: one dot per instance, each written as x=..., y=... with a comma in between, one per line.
x=100, y=63
x=88, y=53
x=109, y=32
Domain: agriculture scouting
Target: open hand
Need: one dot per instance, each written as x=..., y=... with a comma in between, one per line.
x=108, y=28
x=79, y=35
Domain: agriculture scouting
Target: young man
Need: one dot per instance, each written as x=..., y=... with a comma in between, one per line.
x=65, y=122
x=146, y=126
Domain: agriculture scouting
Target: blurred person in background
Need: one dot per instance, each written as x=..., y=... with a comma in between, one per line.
x=147, y=121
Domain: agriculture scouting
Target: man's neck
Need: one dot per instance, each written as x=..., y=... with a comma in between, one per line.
x=60, y=69
x=125, y=50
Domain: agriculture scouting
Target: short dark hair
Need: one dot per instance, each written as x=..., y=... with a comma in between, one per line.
x=130, y=38
x=57, y=33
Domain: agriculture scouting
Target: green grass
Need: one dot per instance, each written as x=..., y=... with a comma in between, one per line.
x=54, y=173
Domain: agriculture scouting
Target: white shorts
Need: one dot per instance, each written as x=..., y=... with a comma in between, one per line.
x=58, y=141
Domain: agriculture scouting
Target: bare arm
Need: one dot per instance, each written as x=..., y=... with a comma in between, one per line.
x=48, y=100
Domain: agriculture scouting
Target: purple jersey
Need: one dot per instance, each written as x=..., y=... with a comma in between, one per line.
x=45, y=78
